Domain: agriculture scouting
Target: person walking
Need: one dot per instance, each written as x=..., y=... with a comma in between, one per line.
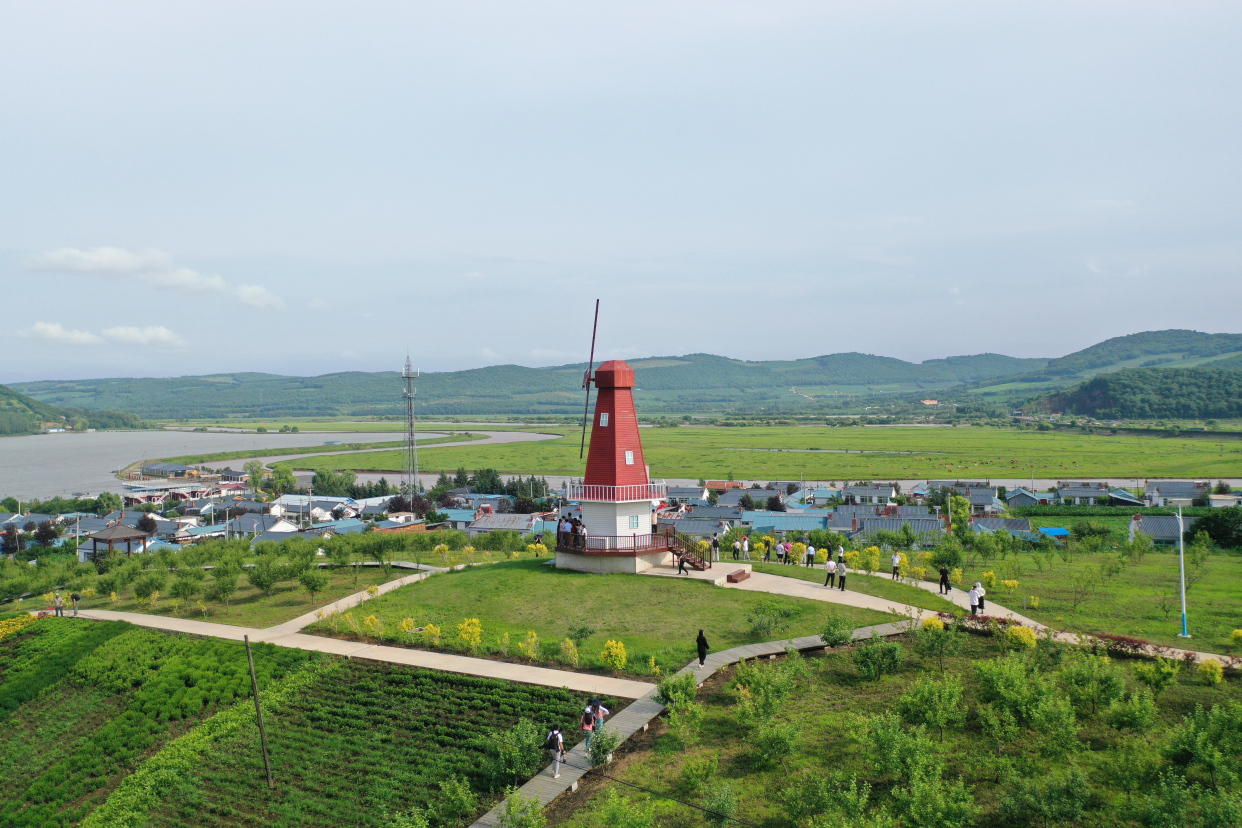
x=737, y=549
x=831, y=577
x=555, y=743
x=896, y=566
x=588, y=726
x=701, y=644
x=598, y=711
x=981, y=592
x=716, y=548
x=746, y=548
x=840, y=553
x=681, y=564
x=74, y=597
x=842, y=571
x=59, y=604
x=974, y=600
x=944, y=580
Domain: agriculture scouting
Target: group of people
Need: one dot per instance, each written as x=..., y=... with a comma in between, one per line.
x=571, y=532
x=591, y=721
x=58, y=603
x=976, y=598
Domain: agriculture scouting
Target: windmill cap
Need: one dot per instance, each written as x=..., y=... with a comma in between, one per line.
x=614, y=374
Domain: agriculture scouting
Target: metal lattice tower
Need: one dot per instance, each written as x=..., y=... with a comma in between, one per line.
x=409, y=472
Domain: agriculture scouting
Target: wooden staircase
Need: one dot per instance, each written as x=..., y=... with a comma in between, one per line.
x=688, y=547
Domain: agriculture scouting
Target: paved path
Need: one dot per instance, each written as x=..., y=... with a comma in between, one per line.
x=544, y=787
x=289, y=634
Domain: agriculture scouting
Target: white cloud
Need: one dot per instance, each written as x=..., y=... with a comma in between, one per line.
x=150, y=267
x=156, y=335
x=56, y=332
x=258, y=297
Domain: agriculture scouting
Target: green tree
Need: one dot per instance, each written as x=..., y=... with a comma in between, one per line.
x=1091, y=681
x=1048, y=800
x=282, y=479
x=313, y=580
x=1223, y=526
x=107, y=502
x=223, y=585
x=959, y=510
x=614, y=811
x=184, y=589
x=934, y=703
x=939, y=644
x=265, y=574
x=45, y=534
x=254, y=474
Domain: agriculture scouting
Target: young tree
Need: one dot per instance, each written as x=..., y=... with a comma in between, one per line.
x=13, y=541
x=283, y=479
x=147, y=524
x=747, y=502
x=775, y=504
x=265, y=574
x=223, y=586
x=254, y=474
x=959, y=510
x=107, y=502
x=934, y=703
x=1224, y=526
x=184, y=589
x=313, y=580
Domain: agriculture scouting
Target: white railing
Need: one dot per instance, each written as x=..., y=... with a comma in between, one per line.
x=618, y=494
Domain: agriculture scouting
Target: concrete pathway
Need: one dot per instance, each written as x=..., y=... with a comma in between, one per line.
x=544, y=787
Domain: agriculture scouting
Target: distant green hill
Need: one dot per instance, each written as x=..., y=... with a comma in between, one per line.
x=696, y=382
x=20, y=414
x=1150, y=349
x=1152, y=394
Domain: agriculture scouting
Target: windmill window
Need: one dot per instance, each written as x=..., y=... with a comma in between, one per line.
x=633, y=521
x=603, y=418
x=629, y=458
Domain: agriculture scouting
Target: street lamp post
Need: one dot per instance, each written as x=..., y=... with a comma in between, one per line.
x=1181, y=563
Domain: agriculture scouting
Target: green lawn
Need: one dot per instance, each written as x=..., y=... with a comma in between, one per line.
x=879, y=586
x=1132, y=603
x=652, y=616
x=818, y=453
x=251, y=607
x=826, y=714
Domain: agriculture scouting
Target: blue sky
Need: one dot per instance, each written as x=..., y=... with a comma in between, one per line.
x=313, y=187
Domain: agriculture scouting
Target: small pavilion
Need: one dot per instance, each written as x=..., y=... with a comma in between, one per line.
x=115, y=534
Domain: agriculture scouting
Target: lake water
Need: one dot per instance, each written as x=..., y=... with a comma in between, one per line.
x=46, y=465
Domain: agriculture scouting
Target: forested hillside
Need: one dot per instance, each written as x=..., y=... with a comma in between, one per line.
x=20, y=414
x=696, y=382
x=1172, y=349
x=1153, y=393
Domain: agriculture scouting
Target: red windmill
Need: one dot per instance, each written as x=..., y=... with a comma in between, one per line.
x=616, y=495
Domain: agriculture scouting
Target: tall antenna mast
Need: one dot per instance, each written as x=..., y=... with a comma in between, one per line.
x=409, y=472
x=586, y=382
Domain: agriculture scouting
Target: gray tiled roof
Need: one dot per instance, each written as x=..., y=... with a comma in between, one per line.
x=715, y=513
x=1008, y=524
x=920, y=526
x=704, y=528
x=1176, y=488
x=1161, y=527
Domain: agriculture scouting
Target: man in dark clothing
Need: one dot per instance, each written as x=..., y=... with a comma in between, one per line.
x=701, y=643
x=681, y=564
x=945, y=589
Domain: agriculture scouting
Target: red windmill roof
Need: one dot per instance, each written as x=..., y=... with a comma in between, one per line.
x=616, y=454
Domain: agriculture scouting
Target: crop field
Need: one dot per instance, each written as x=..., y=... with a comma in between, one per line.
x=364, y=743
x=103, y=724
x=825, y=453
x=653, y=617
x=84, y=703
x=1045, y=736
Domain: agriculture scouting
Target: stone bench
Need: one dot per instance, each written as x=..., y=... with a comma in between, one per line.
x=738, y=576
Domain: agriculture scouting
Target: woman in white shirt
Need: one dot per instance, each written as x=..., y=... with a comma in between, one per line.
x=979, y=593
x=974, y=600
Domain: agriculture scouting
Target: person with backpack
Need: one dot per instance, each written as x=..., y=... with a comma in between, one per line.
x=701, y=644
x=555, y=744
x=588, y=726
x=944, y=580
x=596, y=712
x=716, y=548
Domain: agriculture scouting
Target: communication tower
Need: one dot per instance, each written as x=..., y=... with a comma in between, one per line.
x=409, y=472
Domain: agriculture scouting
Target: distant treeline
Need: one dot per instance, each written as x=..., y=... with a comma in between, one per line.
x=1153, y=394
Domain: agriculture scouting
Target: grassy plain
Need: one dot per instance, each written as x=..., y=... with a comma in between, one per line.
x=653, y=617
x=317, y=424
x=827, y=714
x=825, y=453
x=194, y=459
x=1140, y=601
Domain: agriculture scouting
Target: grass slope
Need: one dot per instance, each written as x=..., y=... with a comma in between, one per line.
x=823, y=453
x=653, y=617
x=826, y=715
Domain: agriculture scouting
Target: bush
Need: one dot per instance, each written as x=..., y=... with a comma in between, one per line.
x=768, y=617
x=521, y=812
x=1211, y=671
x=1135, y=711
x=614, y=811
x=569, y=652
x=1019, y=637
x=676, y=690
x=720, y=803
x=933, y=623
x=603, y=743
x=875, y=658
x=1157, y=674
x=934, y=703
x=470, y=634
x=1236, y=638
x=772, y=742
x=837, y=632
x=1091, y=681
x=1062, y=798
x=614, y=655
x=697, y=770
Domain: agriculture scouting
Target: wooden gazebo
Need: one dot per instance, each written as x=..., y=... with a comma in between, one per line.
x=115, y=534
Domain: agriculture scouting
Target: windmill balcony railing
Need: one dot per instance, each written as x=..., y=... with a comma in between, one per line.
x=618, y=494
x=613, y=544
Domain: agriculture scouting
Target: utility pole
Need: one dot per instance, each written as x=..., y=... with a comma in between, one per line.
x=258, y=711
x=1181, y=564
x=409, y=473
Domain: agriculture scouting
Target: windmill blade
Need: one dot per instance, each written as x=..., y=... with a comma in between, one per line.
x=586, y=382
